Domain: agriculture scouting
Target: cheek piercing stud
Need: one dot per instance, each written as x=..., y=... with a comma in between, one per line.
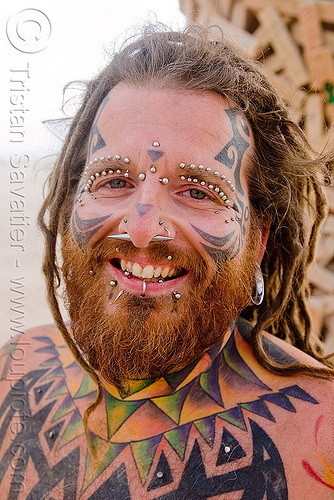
x=141, y=177
x=113, y=283
x=165, y=180
x=176, y=295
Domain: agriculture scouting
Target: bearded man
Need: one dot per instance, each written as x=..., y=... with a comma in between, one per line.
x=186, y=204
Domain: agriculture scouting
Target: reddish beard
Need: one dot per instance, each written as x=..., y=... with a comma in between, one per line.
x=139, y=338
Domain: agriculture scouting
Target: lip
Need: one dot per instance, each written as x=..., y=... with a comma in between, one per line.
x=134, y=285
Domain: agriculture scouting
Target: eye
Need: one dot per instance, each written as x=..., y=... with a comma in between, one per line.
x=117, y=183
x=197, y=194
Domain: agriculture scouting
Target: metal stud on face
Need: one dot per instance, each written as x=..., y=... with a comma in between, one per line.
x=165, y=180
x=155, y=144
x=153, y=169
x=142, y=177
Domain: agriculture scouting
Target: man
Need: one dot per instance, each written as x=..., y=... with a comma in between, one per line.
x=180, y=179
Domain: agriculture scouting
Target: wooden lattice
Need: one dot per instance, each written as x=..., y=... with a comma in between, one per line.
x=294, y=39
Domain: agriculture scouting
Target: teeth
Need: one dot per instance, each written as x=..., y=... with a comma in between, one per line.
x=157, y=272
x=136, y=270
x=165, y=272
x=148, y=272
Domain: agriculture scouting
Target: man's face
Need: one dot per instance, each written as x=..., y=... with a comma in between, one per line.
x=166, y=163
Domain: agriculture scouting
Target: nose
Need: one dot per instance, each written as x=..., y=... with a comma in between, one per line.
x=145, y=220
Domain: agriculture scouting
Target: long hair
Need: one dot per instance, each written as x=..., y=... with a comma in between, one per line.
x=284, y=176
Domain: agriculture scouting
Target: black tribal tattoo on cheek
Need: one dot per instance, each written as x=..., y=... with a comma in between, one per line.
x=231, y=242
x=96, y=140
x=84, y=229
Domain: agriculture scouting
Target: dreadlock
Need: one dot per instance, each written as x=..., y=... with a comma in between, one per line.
x=284, y=176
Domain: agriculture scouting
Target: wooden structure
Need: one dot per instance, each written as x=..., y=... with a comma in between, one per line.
x=294, y=39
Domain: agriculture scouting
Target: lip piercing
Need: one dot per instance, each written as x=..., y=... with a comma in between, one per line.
x=126, y=273
x=118, y=296
x=161, y=281
x=113, y=283
x=144, y=289
x=176, y=295
x=169, y=257
x=91, y=272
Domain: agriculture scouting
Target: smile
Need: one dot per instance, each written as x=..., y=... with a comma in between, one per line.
x=154, y=273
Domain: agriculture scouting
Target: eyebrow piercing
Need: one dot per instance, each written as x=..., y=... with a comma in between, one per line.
x=153, y=169
x=141, y=177
x=165, y=180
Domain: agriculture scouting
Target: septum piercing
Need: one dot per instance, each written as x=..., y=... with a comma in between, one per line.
x=127, y=237
x=168, y=233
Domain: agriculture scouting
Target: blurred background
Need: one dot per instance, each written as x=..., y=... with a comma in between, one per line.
x=45, y=45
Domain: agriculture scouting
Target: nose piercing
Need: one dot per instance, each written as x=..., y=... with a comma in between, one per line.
x=168, y=233
x=127, y=237
x=161, y=222
x=125, y=221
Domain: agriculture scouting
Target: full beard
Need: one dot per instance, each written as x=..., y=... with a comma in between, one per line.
x=135, y=337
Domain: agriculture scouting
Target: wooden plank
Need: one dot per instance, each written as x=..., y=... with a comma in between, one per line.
x=290, y=94
x=285, y=7
x=262, y=42
x=188, y=8
x=314, y=121
x=239, y=15
x=328, y=226
x=330, y=197
x=310, y=26
x=274, y=62
x=325, y=250
x=282, y=42
x=321, y=277
x=321, y=65
x=326, y=11
x=329, y=340
x=246, y=41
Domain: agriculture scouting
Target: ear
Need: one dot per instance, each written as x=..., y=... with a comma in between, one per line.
x=263, y=236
